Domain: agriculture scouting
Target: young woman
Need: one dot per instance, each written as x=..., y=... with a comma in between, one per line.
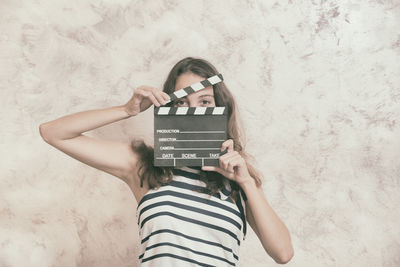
x=188, y=216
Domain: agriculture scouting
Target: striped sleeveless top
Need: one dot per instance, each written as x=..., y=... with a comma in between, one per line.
x=182, y=227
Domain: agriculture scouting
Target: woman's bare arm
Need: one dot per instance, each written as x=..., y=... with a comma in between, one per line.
x=115, y=158
x=66, y=134
x=269, y=228
x=271, y=231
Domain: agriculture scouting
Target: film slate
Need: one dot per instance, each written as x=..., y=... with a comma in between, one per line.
x=189, y=136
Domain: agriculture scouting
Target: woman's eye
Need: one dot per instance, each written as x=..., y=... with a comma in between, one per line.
x=205, y=102
x=180, y=103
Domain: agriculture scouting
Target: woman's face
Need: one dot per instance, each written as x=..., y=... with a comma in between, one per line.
x=201, y=98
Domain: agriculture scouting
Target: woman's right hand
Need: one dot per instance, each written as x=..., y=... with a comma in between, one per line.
x=143, y=97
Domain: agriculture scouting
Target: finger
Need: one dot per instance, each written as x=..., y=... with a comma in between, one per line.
x=150, y=96
x=158, y=96
x=226, y=165
x=232, y=163
x=138, y=91
x=229, y=154
x=163, y=96
x=226, y=157
x=223, y=162
x=228, y=144
x=217, y=169
x=209, y=168
x=235, y=162
x=166, y=96
x=230, y=166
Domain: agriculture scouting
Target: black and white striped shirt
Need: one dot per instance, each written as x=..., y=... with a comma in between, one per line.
x=179, y=226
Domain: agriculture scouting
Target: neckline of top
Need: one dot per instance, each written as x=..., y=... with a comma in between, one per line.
x=224, y=193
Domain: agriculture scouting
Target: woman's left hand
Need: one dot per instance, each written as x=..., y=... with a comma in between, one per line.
x=232, y=165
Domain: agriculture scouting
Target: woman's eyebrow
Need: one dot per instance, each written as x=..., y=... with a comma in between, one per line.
x=205, y=95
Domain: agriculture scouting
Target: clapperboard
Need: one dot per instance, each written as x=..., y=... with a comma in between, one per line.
x=189, y=136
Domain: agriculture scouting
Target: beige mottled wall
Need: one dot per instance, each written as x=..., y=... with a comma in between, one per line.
x=318, y=86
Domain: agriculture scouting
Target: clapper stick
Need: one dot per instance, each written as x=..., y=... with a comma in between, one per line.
x=195, y=87
x=189, y=136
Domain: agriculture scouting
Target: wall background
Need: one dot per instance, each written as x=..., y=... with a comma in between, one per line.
x=317, y=82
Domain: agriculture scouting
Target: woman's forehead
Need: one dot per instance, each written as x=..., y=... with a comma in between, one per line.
x=186, y=79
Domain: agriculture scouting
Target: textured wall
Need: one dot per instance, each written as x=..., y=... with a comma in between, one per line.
x=318, y=86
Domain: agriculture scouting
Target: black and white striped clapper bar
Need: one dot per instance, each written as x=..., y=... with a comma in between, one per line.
x=189, y=136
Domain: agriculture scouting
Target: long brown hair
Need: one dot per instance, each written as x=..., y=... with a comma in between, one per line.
x=157, y=176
